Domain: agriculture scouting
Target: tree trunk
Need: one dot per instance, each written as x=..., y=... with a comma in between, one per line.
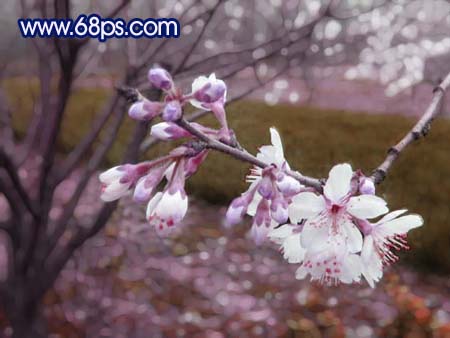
x=23, y=313
x=26, y=324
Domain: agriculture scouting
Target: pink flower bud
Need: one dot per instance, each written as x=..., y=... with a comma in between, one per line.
x=279, y=210
x=194, y=163
x=262, y=223
x=160, y=79
x=172, y=111
x=168, y=131
x=288, y=185
x=116, y=182
x=265, y=187
x=237, y=209
x=144, y=110
x=211, y=92
x=143, y=191
x=366, y=186
x=207, y=90
x=165, y=210
x=148, y=183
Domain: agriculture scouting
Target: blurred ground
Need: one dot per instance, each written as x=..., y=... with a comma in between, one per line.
x=209, y=281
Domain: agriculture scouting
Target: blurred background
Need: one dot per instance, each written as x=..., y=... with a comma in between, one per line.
x=342, y=80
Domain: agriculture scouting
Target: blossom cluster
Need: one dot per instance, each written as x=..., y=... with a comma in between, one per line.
x=330, y=235
x=337, y=234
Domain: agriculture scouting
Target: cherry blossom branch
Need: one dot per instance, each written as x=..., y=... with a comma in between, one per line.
x=421, y=129
x=244, y=155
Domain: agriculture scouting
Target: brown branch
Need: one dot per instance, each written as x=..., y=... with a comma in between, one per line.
x=90, y=168
x=421, y=129
x=85, y=145
x=198, y=39
x=8, y=165
x=244, y=155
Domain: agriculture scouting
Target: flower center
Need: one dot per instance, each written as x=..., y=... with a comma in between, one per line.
x=335, y=208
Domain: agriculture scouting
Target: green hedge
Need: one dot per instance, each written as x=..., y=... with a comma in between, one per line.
x=314, y=141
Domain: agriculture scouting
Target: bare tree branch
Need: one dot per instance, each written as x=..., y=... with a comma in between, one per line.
x=8, y=165
x=244, y=155
x=420, y=129
x=188, y=54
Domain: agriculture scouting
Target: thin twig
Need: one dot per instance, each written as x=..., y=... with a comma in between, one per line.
x=244, y=155
x=419, y=130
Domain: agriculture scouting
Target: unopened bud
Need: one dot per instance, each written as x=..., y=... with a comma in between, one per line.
x=144, y=110
x=265, y=188
x=160, y=79
x=366, y=186
x=172, y=111
x=168, y=131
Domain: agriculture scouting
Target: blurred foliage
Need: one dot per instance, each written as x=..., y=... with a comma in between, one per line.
x=314, y=141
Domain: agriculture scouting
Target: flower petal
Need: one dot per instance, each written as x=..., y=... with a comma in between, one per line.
x=293, y=251
x=111, y=175
x=153, y=203
x=315, y=234
x=251, y=210
x=338, y=183
x=305, y=205
x=398, y=226
x=353, y=236
x=366, y=206
x=372, y=266
x=276, y=142
x=390, y=216
x=350, y=269
x=278, y=235
x=114, y=191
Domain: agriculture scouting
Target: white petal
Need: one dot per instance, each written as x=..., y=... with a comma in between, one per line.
x=372, y=266
x=268, y=154
x=114, y=191
x=199, y=82
x=305, y=205
x=152, y=204
x=391, y=215
x=398, y=226
x=278, y=235
x=159, y=131
x=366, y=206
x=315, y=234
x=338, y=183
x=172, y=206
x=276, y=142
x=351, y=269
x=251, y=210
x=354, y=237
x=293, y=250
x=111, y=175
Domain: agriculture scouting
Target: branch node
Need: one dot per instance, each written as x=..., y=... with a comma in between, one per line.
x=132, y=95
x=196, y=146
x=393, y=151
x=438, y=89
x=426, y=129
x=379, y=175
x=416, y=135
